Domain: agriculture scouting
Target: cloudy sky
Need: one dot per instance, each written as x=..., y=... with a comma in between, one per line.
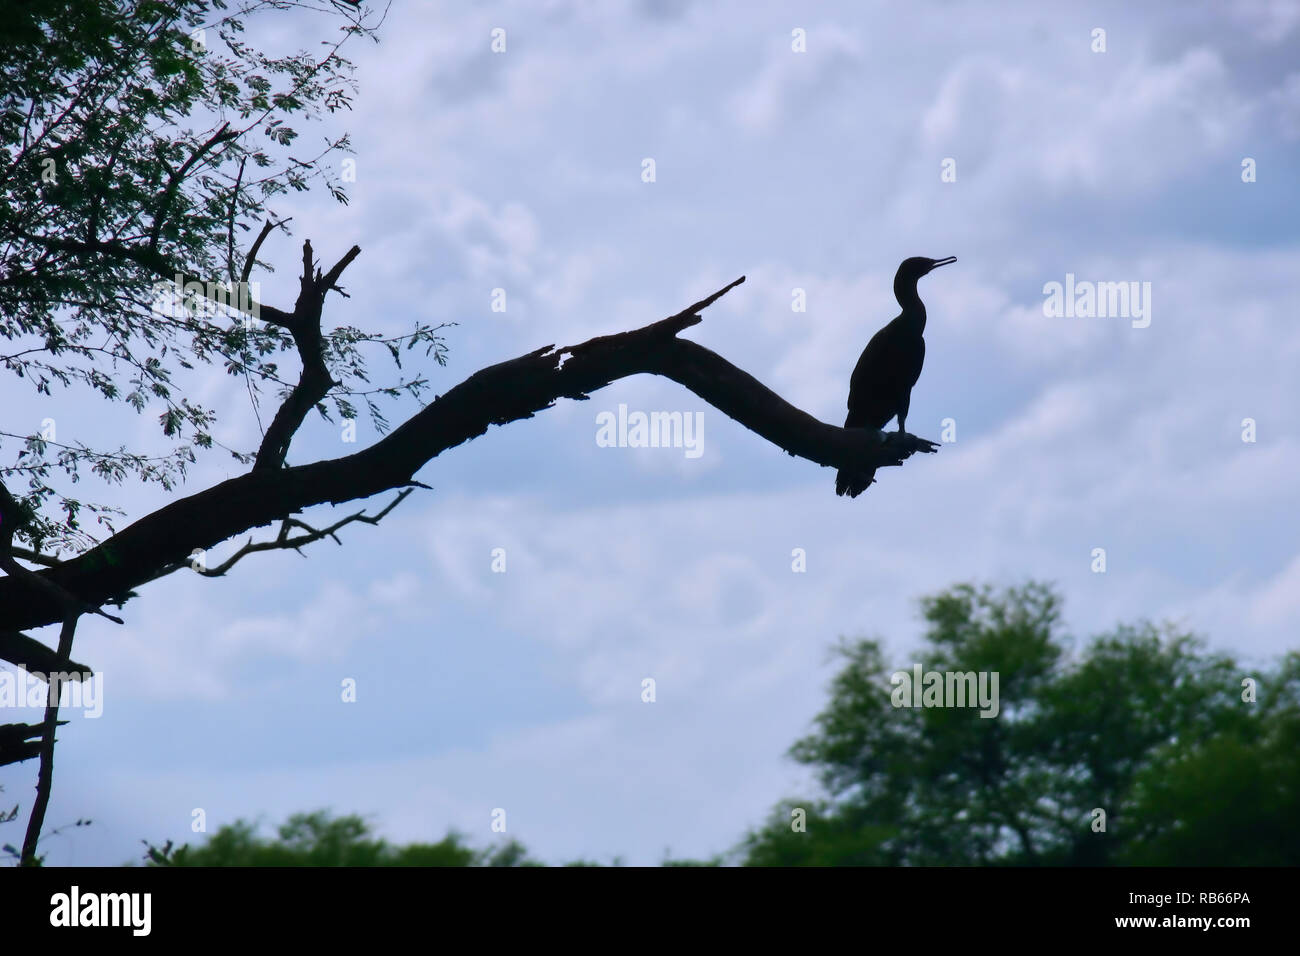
x=817, y=170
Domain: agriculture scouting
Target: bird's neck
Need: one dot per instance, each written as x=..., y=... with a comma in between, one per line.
x=913, y=308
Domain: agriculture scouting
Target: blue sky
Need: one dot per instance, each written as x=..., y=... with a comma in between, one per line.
x=817, y=170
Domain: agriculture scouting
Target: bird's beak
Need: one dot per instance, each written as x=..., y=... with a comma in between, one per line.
x=947, y=260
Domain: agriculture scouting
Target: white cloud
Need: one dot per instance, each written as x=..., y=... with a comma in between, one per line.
x=520, y=170
x=789, y=77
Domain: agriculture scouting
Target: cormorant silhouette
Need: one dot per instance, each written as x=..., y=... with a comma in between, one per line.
x=881, y=386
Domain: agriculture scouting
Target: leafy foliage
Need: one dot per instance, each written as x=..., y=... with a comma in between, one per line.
x=1142, y=723
x=320, y=839
x=139, y=142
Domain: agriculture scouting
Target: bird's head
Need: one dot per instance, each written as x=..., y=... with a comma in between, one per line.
x=917, y=266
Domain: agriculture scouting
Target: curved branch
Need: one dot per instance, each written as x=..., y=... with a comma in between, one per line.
x=510, y=391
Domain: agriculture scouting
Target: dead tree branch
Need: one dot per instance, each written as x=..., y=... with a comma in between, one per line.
x=45, y=775
x=315, y=382
x=283, y=542
x=19, y=742
x=506, y=392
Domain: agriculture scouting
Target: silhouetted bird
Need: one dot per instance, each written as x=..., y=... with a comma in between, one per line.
x=881, y=386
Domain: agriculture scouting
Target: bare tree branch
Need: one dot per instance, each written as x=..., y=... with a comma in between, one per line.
x=19, y=742
x=45, y=776
x=16, y=743
x=330, y=281
x=35, y=557
x=16, y=571
x=230, y=220
x=251, y=259
x=509, y=391
x=36, y=658
x=283, y=542
x=315, y=382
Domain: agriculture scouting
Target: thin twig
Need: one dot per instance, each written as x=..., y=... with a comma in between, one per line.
x=282, y=541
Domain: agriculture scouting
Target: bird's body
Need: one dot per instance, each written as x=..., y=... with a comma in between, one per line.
x=881, y=386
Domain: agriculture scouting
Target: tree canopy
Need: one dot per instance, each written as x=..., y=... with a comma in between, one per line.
x=145, y=151
x=1190, y=756
x=322, y=839
x=1193, y=759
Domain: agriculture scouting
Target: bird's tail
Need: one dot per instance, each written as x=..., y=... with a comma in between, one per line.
x=853, y=483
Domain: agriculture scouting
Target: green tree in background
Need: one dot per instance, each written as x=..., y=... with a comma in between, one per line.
x=1141, y=723
x=1194, y=760
x=1233, y=798
x=320, y=839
